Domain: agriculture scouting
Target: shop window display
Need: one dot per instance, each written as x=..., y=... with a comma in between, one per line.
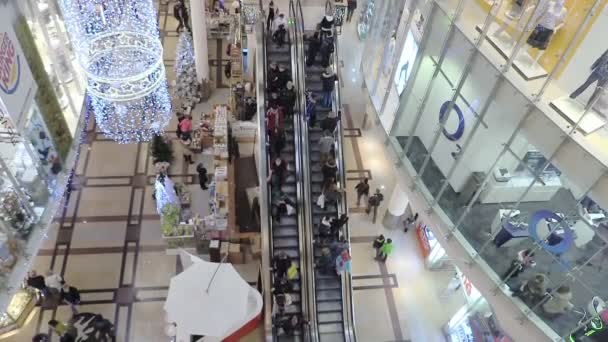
x=365, y=19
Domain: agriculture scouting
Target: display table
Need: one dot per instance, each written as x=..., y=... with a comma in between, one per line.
x=18, y=311
x=424, y=238
x=523, y=63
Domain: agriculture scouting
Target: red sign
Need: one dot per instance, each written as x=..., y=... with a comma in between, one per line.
x=10, y=67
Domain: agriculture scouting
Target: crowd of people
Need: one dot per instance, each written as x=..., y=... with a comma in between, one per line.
x=52, y=290
x=285, y=273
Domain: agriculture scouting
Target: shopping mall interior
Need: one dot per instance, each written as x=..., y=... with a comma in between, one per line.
x=303, y=170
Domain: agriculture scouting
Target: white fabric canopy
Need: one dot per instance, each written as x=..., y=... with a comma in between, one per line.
x=213, y=313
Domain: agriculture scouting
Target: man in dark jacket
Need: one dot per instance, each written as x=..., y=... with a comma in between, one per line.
x=288, y=99
x=70, y=295
x=281, y=263
x=313, y=48
x=202, y=176
x=326, y=49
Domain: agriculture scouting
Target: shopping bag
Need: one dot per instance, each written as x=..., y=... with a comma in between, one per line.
x=321, y=201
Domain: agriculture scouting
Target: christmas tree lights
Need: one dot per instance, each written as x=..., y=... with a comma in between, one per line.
x=187, y=89
x=117, y=45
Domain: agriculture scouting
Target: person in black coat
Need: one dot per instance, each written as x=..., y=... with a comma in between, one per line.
x=281, y=263
x=180, y=12
x=70, y=295
x=326, y=49
x=328, y=78
x=202, y=176
x=288, y=99
x=313, y=48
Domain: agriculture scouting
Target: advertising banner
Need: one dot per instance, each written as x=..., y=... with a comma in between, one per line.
x=17, y=87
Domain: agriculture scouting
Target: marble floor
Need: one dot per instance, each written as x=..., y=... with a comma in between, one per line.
x=107, y=240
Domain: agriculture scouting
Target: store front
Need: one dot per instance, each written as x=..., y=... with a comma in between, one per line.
x=502, y=123
x=471, y=317
x=40, y=106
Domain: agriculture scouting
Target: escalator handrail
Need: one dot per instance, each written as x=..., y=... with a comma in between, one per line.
x=309, y=231
x=264, y=198
x=347, y=289
x=301, y=204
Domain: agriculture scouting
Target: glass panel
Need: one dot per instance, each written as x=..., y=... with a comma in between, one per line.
x=550, y=31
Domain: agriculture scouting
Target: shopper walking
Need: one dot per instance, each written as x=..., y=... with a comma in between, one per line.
x=534, y=290
x=378, y=243
x=36, y=281
x=559, y=303
x=185, y=127
x=70, y=295
x=523, y=261
x=180, y=12
x=185, y=143
x=202, y=176
x=352, y=6
x=386, y=250
x=409, y=222
x=326, y=143
x=328, y=78
x=53, y=281
x=271, y=11
x=63, y=330
x=362, y=190
x=373, y=203
x=277, y=142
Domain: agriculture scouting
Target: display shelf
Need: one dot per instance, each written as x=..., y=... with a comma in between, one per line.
x=523, y=63
x=423, y=241
x=572, y=111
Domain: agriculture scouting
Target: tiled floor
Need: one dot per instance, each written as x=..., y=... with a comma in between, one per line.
x=108, y=242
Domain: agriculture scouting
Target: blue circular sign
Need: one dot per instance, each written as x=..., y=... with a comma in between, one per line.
x=460, y=130
x=567, y=238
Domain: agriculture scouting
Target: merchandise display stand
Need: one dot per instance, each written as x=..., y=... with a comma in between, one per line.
x=523, y=63
x=423, y=240
x=18, y=311
x=219, y=26
x=572, y=110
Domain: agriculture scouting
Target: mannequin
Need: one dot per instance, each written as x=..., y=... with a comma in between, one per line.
x=513, y=14
x=599, y=73
x=547, y=20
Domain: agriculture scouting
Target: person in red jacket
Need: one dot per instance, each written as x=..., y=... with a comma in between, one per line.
x=274, y=119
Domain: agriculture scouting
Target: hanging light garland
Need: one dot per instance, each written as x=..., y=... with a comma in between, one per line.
x=118, y=47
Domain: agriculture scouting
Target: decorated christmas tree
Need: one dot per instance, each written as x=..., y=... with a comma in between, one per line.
x=161, y=149
x=14, y=213
x=187, y=90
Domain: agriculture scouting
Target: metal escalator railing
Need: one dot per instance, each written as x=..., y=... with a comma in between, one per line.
x=347, y=287
x=264, y=198
x=308, y=231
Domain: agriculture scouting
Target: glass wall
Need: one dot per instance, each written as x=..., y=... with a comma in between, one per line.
x=489, y=122
x=41, y=99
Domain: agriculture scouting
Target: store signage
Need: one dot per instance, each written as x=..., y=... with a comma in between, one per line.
x=460, y=130
x=566, y=238
x=10, y=64
x=17, y=86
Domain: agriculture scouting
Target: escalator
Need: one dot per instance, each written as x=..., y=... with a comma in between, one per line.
x=281, y=236
x=332, y=292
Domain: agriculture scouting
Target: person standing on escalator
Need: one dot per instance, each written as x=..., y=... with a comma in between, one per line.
x=270, y=20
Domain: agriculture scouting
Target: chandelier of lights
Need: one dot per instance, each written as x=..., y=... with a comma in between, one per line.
x=118, y=47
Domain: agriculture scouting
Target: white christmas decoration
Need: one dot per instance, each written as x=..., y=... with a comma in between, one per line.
x=117, y=45
x=164, y=192
x=187, y=90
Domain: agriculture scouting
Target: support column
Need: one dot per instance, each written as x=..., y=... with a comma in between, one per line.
x=396, y=208
x=199, y=39
x=251, y=46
